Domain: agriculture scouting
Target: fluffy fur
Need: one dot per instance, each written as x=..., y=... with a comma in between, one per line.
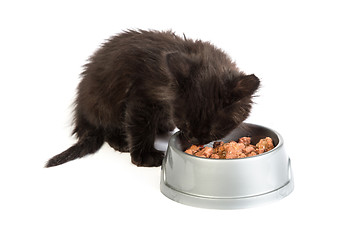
x=143, y=83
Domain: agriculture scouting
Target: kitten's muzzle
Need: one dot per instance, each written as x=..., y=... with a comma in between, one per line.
x=190, y=138
x=194, y=140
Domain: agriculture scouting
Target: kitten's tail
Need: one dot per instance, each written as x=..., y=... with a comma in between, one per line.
x=83, y=147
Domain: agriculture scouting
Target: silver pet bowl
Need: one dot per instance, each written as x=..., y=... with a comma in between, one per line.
x=227, y=183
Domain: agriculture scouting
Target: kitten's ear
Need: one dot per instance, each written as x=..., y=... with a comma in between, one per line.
x=181, y=65
x=246, y=85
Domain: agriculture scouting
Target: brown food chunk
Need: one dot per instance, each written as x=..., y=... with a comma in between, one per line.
x=233, y=149
x=251, y=154
x=214, y=155
x=249, y=149
x=217, y=144
x=205, y=152
x=245, y=140
x=264, y=145
x=241, y=149
x=193, y=149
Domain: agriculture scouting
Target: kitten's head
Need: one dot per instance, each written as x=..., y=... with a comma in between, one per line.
x=210, y=100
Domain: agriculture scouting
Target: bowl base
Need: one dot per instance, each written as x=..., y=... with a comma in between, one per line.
x=227, y=203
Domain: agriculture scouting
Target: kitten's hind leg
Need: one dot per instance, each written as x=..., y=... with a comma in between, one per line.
x=116, y=138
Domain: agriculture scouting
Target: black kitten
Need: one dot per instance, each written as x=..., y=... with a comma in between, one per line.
x=143, y=83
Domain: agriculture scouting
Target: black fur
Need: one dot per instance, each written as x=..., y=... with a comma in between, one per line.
x=143, y=83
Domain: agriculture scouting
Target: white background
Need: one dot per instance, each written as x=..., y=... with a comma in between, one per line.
x=307, y=55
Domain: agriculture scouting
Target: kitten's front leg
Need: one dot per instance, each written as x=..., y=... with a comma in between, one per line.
x=141, y=127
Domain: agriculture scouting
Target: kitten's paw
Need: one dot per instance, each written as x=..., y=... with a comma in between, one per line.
x=153, y=158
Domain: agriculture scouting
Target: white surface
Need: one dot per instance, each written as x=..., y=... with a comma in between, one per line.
x=307, y=56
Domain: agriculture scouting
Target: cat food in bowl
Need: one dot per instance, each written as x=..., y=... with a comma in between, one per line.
x=227, y=183
x=240, y=149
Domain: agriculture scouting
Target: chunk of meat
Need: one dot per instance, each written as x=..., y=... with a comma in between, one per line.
x=251, y=154
x=205, y=152
x=214, y=155
x=233, y=149
x=245, y=140
x=249, y=149
x=193, y=149
x=264, y=145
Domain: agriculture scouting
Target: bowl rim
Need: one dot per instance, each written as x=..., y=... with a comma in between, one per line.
x=251, y=158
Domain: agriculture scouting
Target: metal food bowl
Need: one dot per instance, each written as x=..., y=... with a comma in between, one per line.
x=227, y=183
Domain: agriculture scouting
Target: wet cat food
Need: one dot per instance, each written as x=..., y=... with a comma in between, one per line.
x=240, y=149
